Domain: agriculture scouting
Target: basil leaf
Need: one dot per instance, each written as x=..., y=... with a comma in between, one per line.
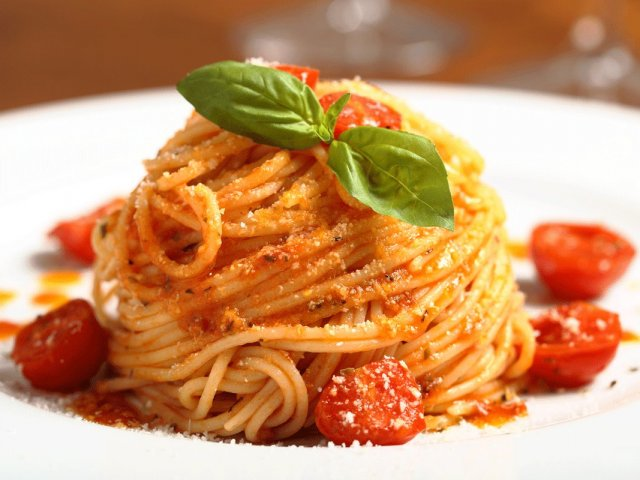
x=395, y=173
x=333, y=112
x=264, y=104
x=325, y=134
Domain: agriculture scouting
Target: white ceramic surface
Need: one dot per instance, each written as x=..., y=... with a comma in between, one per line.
x=550, y=158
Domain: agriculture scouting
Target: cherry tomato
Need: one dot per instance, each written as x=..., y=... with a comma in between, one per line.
x=362, y=111
x=75, y=235
x=574, y=343
x=305, y=74
x=379, y=402
x=63, y=349
x=578, y=262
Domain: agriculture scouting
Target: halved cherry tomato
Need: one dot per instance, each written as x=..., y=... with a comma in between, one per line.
x=307, y=75
x=63, y=349
x=574, y=343
x=75, y=234
x=578, y=262
x=360, y=111
x=379, y=402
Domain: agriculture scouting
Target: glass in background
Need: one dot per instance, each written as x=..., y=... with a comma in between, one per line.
x=599, y=64
x=349, y=37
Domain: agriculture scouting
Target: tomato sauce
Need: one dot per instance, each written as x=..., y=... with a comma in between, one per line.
x=51, y=299
x=60, y=278
x=629, y=336
x=111, y=409
x=6, y=296
x=8, y=329
x=497, y=414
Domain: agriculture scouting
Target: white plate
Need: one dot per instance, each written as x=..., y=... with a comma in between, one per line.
x=550, y=158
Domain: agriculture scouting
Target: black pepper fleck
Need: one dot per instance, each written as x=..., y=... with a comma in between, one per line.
x=315, y=305
x=191, y=246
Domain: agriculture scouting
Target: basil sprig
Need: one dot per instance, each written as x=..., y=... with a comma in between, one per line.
x=264, y=104
x=395, y=173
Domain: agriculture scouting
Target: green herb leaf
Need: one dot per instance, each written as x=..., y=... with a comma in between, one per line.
x=332, y=114
x=395, y=173
x=264, y=104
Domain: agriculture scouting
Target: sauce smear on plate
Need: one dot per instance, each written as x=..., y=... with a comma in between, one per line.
x=52, y=299
x=109, y=409
x=497, y=414
x=60, y=278
x=518, y=249
x=629, y=336
x=6, y=296
x=8, y=329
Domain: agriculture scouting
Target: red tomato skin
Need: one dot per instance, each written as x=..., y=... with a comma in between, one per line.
x=75, y=235
x=360, y=111
x=579, y=262
x=379, y=402
x=307, y=75
x=63, y=349
x=566, y=359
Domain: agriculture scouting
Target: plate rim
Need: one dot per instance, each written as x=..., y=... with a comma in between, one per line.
x=369, y=454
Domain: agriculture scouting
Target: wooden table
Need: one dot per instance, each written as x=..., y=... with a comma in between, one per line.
x=52, y=50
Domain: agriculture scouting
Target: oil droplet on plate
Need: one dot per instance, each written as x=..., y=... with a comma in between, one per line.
x=60, y=278
x=6, y=296
x=8, y=329
x=51, y=299
x=629, y=336
x=518, y=249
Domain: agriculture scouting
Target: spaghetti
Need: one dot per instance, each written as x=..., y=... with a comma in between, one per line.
x=245, y=277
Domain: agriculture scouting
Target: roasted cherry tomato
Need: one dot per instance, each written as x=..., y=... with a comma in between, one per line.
x=379, y=402
x=362, y=111
x=75, y=235
x=305, y=74
x=574, y=343
x=578, y=262
x=63, y=349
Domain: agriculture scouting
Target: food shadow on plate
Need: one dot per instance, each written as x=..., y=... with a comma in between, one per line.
x=48, y=260
x=536, y=294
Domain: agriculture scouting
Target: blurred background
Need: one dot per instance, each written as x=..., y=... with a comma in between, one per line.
x=51, y=50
